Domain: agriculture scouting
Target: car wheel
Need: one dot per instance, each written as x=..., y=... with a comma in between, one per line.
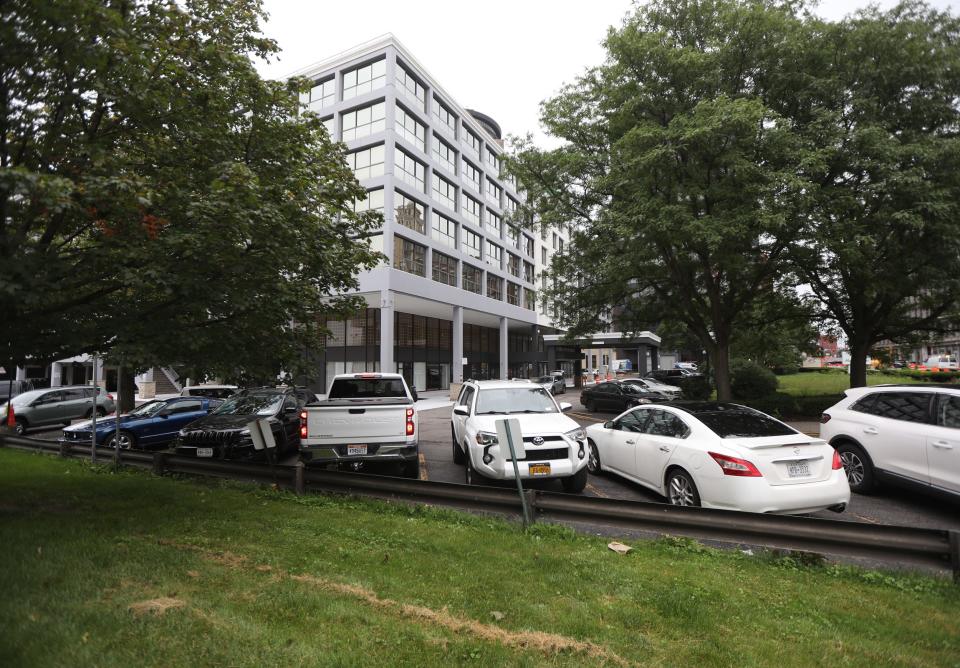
x=593, y=459
x=470, y=476
x=858, y=467
x=575, y=483
x=590, y=406
x=127, y=440
x=457, y=451
x=89, y=414
x=681, y=490
x=20, y=427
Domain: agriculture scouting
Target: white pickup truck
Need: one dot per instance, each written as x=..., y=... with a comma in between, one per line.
x=366, y=418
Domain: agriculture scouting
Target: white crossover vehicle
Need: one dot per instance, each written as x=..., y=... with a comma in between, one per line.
x=720, y=455
x=555, y=445
x=908, y=434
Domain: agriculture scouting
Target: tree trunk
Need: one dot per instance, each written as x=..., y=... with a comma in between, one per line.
x=858, y=363
x=721, y=371
x=126, y=390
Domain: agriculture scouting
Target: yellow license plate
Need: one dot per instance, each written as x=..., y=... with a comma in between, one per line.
x=539, y=469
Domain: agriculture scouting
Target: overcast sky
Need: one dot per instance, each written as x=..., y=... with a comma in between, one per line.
x=501, y=57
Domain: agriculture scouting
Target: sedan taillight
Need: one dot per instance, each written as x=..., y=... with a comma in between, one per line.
x=824, y=418
x=837, y=462
x=736, y=466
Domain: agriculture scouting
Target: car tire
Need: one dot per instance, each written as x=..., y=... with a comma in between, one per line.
x=590, y=406
x=575, y=483
x=89, y=413
x=458, y=456
x=20, y=427
x=471, y=477
x=593, y=459
x=681, y=490
x=127, y=440
x=858, y=467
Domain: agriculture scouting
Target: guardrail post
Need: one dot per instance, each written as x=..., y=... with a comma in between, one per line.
x=531, y=504
x=158, y=458
x=64, y=449
x=954, y=538
x=298, y=482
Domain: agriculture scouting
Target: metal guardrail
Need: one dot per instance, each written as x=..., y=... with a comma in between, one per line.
x=881, y=542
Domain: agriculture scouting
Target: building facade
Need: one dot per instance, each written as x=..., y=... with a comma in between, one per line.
x=458, y=296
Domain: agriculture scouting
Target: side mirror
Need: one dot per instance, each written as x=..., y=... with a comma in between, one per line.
x=413, y=393
x=564, y=407
x=461, y=410
x=608, y=424
x=164, y=413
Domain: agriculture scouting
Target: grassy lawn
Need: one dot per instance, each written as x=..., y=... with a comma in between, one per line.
x=815, y=383
x=129, y=569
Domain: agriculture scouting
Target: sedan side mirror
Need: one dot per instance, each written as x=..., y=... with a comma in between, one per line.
x=564, y=407
x=164, y=413
x=461, y=410
x=608, y=424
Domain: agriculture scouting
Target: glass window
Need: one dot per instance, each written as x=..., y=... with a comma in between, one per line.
x=410, y=129
x=472, y=243
x=528, y=246
x=444, y=192
x=493, y=160
x=467, y=397
x=372, y=202
x=409, y=257
x=364, y=79
x=412, y=88
x=494, y=254
x=493, y=190
x=494, y=287
x=473, y=141
x=472, y=277
x=555, y=237
x=471, y=209
x=411, y=170
x=494, y=223
x=513, y=264
x=905, y=406
x=443, y=230
x=444, y=269
x=510, y=203
x=560, y=248
x=529, y=275
x=409, y=213
x=728, y=421
x=632, y=421
x=445, y=116
x=364, y=121
x=948, y=411
x=366, y=163
x=662, y=423
x=525, y=398
x=530, y=299
x=513, y=236
x=445, y=154
x=329, y=125
x=513, y=294
x=544, y=260
x=323, y=94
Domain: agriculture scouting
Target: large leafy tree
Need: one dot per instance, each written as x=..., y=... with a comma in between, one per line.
x=882, y=253
x=678, y=176
x=158, y=199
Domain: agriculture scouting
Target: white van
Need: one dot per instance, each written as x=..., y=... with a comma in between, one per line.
x=941, y=362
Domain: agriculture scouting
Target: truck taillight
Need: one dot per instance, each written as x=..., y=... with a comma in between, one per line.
x=303, y=424
x=410, y=427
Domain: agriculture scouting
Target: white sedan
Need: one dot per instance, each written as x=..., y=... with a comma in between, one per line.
x=720, y=455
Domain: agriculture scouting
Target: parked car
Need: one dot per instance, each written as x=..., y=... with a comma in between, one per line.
x=224, y=433
x=668, y=375
x=942, y=362
x=552, y=384
x=555, y=445
x=648, y=385
x=692, y=366
x=616, y=396
x=56, y=405
x=152, y=424
x=906, y=434
x=367, y=418
x=720, y=455
x=209, y=390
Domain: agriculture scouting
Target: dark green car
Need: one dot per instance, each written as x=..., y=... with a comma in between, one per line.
x=56, y=406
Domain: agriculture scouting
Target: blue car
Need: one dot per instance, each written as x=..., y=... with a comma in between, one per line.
x=149, y=425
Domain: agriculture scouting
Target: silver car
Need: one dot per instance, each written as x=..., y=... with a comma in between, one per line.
x=56, y=406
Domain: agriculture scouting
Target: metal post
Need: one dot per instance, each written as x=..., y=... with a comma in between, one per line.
x=93, y=414
x=516, y=472
x=954, y=538
x=298, y=482
x=116, y=432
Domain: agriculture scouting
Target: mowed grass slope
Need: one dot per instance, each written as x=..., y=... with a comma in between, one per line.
x=128, y=569
x=834, y=382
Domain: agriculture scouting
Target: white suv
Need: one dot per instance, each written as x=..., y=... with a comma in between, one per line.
x=555, y=445
x=898, y=433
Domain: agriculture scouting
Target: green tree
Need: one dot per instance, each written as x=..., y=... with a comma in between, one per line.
x=678, y=176
x=158, y=199
x=882, y=253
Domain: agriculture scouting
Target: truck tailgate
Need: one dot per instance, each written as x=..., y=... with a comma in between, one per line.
x=338, y=424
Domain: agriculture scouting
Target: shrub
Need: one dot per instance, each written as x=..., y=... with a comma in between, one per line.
x=777, y=404
x=749, y=380
x=813, y=406
x=698, y=388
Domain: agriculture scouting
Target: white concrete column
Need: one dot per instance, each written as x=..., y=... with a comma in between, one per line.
x=55, y=375
x=21, y=373
x=457, y=361
x=101, y=377
x=504, y=345
x=386, y=332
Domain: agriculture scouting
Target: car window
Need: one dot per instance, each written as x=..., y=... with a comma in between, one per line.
x=252, y=404
x=864, y=404
x=632, y=421
x=742, y=422
x=190, y=406
x=508, y=400
x=214, y=403
x=663, y=423
x=606, y=388
x=948, y=411
x=363, y=388
x=467, y=397
x=50, y=397
x=74, y=394
x=903, y=406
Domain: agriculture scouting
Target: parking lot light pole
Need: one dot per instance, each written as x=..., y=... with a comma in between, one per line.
x=93, y=414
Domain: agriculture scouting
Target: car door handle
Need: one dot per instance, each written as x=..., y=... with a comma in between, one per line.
x=664, y=448
x=630, y=441
x=870, y=430
x=944, y=445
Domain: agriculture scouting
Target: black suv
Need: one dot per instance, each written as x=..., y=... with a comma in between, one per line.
x=224, y=434
x=615, y=396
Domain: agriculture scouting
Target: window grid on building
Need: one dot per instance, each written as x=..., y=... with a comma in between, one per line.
x=372, y=202
x=494, y=223
x=443, y=230
x=472, y=243
x=412, y=88
x=444, y=192
x=493, y=191
x=364, y=121
x=474, y=175
x=529, y=274
x=444, y=268
x=411, y=170
x=493, y=160
x=367, y=163
x=530, y=299
x=513, y=236
x=528, y=246
x=473, y=141
x=513, y=264
x=472, y=279
x=513, y=293
x=330, y=126
x=471, y=209
x=409, y=213
x=409, y=256
x=445, y=154
x=410, y=128
x=494, y=254
x=494, y=287
x=364, y=79
x=323, y=94
x=443, y=114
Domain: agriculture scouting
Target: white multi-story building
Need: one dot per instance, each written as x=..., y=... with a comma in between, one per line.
x=458, y=295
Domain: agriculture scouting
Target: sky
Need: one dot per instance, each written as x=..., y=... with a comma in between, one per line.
x=501, y=57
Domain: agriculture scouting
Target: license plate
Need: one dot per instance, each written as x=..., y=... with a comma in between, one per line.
x=356, y=450
x=539, y=469
x=204, y=452
x=798, y=469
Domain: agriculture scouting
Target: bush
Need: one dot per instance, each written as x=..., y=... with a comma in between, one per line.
x=698, y=388
x=777, y=404
x=813, y=406
x=749, y=380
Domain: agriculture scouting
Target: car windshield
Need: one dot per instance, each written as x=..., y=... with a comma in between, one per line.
x=545, y=379
x=632, y=388
x=743, y=423
x=508, y=400
x=251, y=404
x=367, y=388
x=148, y=409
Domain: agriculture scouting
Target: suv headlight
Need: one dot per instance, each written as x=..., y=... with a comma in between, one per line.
x=486, y=438
x=577, y=434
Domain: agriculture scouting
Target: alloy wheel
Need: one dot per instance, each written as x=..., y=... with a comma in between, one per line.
x=681, y=493
x=853, y=466
x=593, y=460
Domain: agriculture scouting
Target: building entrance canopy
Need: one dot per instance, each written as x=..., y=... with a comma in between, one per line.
x=639, y=347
